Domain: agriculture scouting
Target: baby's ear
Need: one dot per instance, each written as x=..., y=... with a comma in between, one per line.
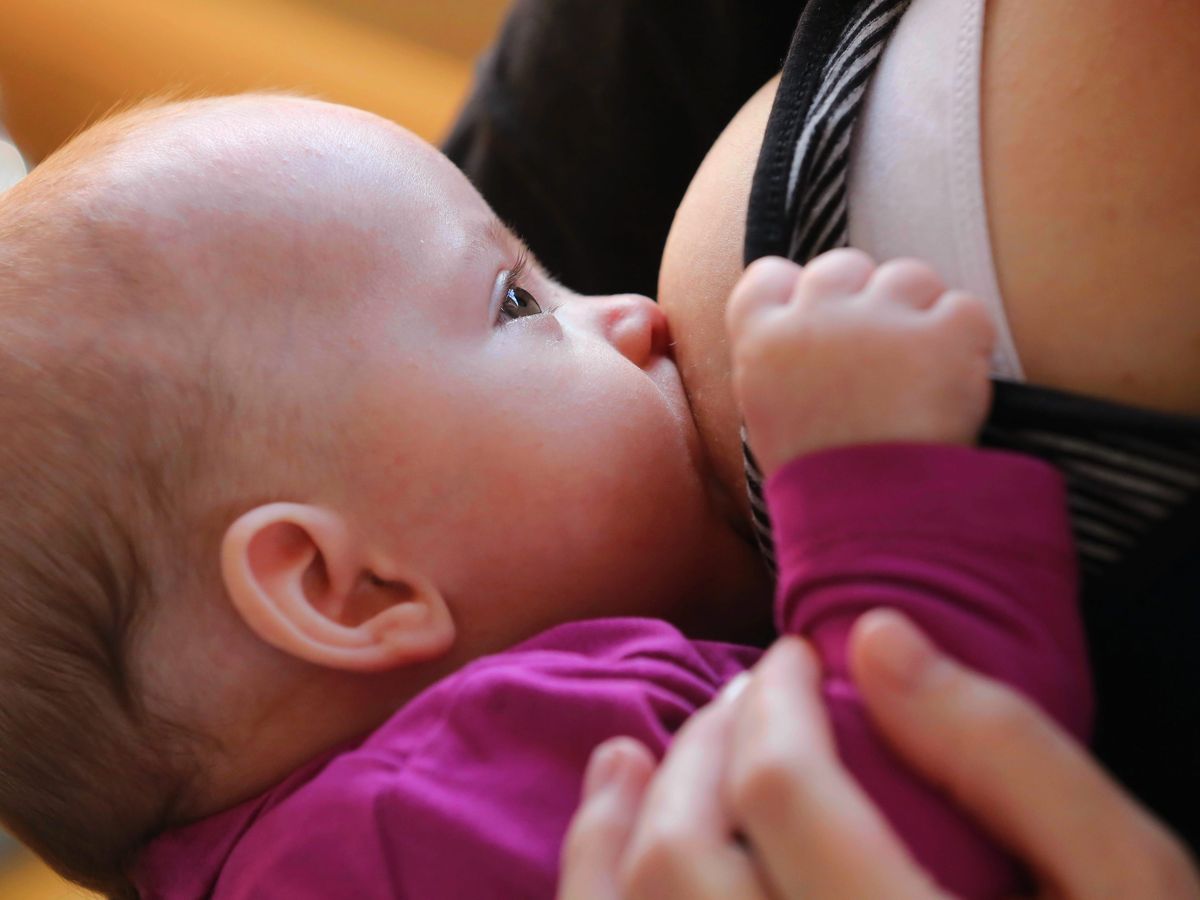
x=301, y=583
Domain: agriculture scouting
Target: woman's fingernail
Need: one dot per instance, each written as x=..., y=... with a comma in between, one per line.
x=733, y=688
x=904, y=654
x=604, y=768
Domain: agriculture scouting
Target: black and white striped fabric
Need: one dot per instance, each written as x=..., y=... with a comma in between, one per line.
x=816, y=198
x=816, y=186
x=1127, y=470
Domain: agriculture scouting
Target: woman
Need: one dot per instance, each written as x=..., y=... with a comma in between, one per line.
x=1085, y=160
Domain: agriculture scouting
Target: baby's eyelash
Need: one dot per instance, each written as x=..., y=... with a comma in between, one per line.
x=518, y=272
x=515, y=277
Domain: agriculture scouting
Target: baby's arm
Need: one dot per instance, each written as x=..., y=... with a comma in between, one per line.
x=862, y=389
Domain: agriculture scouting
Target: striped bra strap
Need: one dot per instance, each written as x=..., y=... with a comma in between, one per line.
x=815, y=197
x=1128, y=471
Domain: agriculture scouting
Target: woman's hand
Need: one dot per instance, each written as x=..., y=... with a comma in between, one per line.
x=751, y=801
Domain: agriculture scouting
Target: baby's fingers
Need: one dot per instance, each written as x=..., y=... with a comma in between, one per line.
x=906, y=282
x=968, y=317
x=767, y=283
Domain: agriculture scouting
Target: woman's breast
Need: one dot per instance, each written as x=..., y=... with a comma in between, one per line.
x=700, y=265
x=1088, y=160
x=1091, y=168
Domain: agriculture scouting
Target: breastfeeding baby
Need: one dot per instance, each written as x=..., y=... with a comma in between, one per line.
x=336, y=534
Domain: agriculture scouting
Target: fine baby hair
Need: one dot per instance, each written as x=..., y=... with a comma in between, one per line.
x=109, y=433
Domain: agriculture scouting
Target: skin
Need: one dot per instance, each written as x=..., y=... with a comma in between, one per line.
x=1093, y=207
x=701, y=264
x=798, y=334
x=500, y=466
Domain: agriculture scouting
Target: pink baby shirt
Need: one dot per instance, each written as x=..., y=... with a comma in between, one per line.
x=466, y=792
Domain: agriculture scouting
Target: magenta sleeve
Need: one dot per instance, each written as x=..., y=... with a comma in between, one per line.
x=975, y=547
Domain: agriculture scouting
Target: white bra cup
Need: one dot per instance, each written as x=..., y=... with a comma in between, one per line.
x=916, y=173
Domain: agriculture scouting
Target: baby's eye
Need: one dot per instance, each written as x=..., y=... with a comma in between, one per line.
x=518, y=303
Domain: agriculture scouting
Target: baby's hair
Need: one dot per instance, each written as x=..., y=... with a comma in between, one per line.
x=105, y=453
x=87, y=771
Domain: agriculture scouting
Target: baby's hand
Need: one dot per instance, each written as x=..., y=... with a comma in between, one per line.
x=843, y=352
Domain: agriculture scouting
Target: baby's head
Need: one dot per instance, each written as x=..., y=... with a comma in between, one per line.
x=292, y=426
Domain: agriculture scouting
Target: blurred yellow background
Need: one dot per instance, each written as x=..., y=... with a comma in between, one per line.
x=64, y=63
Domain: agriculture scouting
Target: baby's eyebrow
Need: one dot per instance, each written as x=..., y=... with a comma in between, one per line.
x=490, y=234
x=497, y=234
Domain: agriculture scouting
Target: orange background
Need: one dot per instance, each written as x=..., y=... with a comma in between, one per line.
x=65, y=62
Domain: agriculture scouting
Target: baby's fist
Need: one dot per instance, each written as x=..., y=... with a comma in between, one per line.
x=845, y=352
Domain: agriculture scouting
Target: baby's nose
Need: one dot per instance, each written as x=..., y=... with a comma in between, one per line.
x=633, y=324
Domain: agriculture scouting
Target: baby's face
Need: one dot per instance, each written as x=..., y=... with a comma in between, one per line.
x=532, y=449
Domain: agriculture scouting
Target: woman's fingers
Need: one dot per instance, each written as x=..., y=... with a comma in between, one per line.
x=616, y=780
x=766, y=762
x=811, y=828
x=1008, y=765
x=684, y=844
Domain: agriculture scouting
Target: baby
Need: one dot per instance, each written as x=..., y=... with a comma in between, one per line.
x=301, y=445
